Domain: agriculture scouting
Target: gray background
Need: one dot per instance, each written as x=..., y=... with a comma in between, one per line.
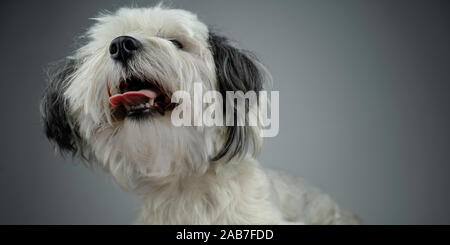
x=364, y=89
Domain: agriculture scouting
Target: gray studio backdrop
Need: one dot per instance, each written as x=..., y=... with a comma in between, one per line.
x=364, y=96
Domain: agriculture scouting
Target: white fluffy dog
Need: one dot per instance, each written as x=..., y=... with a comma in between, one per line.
x=110, y=103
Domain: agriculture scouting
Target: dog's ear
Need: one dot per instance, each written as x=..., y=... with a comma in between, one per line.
x=236, y=70
x=58, y=125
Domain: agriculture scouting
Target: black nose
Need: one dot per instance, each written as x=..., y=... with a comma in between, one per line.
x=122, y=48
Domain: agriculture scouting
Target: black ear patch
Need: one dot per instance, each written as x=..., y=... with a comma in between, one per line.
x=58, y=125
x=236, y=70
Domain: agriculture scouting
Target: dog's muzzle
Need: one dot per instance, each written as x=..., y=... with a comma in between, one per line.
x=136, y=95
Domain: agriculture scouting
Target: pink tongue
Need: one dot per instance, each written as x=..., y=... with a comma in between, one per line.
x=133, y=97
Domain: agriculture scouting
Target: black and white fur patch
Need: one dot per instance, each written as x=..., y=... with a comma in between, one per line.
x=58, y=125
x=236, y=71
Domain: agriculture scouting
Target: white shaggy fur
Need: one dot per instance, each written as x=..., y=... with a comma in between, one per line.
x=169, y=167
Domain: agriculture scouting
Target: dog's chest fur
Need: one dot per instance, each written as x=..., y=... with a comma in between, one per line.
x=235, y=193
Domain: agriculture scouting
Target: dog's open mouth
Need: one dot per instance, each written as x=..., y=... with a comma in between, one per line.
x=141, y=97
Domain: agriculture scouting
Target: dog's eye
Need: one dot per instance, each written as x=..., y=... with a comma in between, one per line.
x=177, y=43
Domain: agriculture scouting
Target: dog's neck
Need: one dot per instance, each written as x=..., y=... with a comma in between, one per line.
x=209, y=198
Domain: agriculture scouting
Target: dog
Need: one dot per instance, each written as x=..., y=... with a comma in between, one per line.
x=110, y=104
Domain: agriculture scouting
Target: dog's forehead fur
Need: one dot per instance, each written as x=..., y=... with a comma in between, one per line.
x=151, y=22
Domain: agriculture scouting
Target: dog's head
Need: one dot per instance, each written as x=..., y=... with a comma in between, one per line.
x=111, y=102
